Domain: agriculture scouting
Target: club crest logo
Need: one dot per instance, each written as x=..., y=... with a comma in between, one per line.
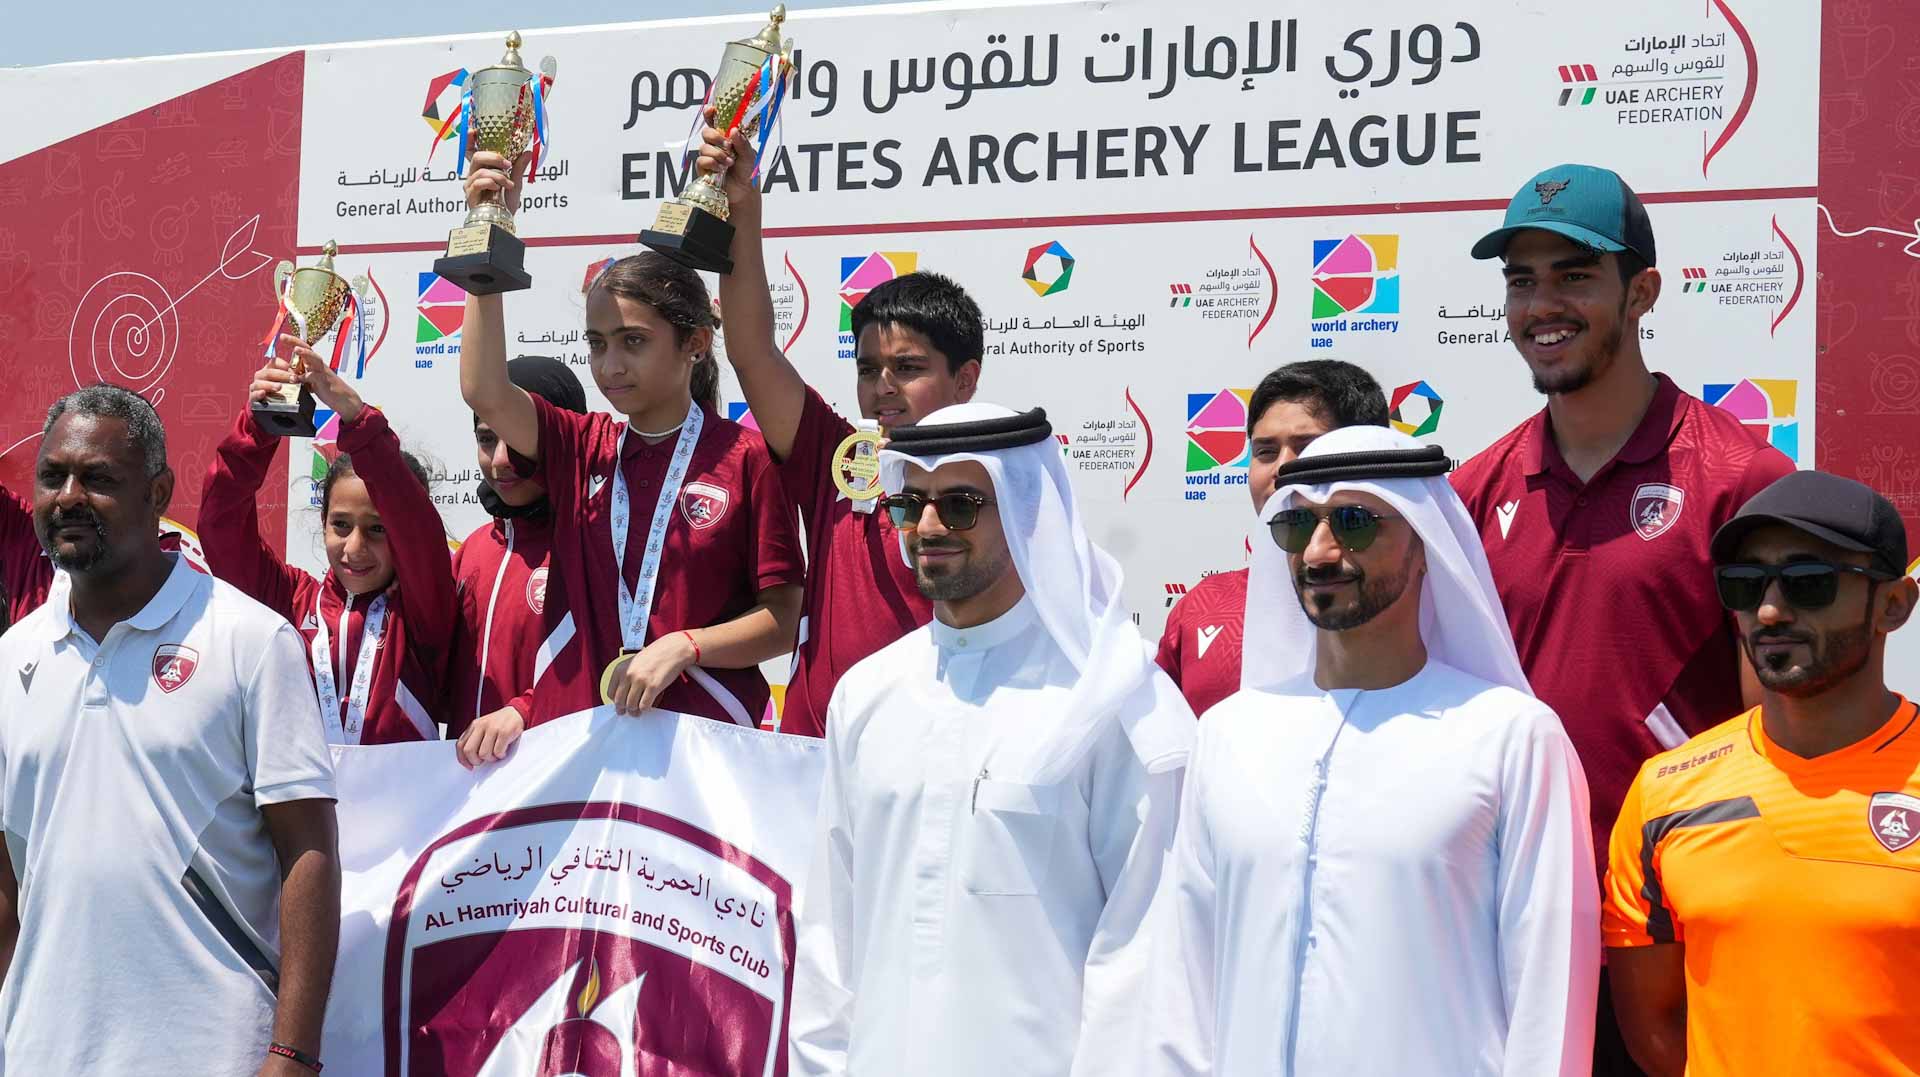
x=1894, y=819
x=1547, y=189
x=173, y=665
x=703, y=504
x=1656, y=508
x=537, y=590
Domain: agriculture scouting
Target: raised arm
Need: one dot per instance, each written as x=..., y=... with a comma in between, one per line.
x=775, y=390
x=483, y=338
x=230, y=508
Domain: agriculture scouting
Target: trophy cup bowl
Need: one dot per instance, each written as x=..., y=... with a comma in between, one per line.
x=485, y=255
x=314, y=298
x=692, y=229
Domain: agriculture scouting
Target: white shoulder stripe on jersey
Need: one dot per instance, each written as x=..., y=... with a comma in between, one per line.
x=551, y=647
x=415, y=713
x=729, y=702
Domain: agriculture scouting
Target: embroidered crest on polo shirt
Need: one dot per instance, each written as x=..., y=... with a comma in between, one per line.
x=1894, y=819
x=173, y=665
x=1546, y=189
x=1507, y=512
x=1656, y=508
x=1205, y=637
x=537, y=590
x=703, y=504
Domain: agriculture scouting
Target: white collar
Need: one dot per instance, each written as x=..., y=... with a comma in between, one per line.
x=158, y=611
x=985, y=637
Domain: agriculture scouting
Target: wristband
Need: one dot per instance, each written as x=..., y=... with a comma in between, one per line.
x=295, y=1054
x=695, y=644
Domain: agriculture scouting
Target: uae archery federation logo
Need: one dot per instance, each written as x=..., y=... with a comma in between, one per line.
x=1049, y=269
x=173, y=666
x=1656, y=508
x=1894, y=819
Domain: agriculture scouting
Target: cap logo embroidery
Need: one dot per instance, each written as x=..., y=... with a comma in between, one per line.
x=1656, y=508
x=1893, y=818
x=1546, y=189
x=173, y=666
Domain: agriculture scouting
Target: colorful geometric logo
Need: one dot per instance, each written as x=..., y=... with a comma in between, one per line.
x=443, y=99
x=737, y=412
x=443, y=307
x=1768, y=405
x=1356, y=275
x=1415, y=409
x=1049, y=269
x=863, y=273
x=1217, y=430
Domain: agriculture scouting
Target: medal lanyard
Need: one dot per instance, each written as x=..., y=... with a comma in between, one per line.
x=345, y=729
x=636, y=606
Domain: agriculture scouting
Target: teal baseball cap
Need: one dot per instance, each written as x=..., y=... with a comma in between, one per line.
x=1589, y=205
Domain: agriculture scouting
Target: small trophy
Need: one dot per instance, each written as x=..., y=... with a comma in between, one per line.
x=502, y=109
x=747, y=94
x=313, y=297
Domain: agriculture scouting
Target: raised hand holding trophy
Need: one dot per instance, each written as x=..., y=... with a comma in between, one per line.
x=313, y=298
x=747, y=94
x=503, y=110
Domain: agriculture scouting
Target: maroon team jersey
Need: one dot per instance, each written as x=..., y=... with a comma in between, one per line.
x=860, y=592
x=510, y=618
x=1200, y=648
x=730, y=537
x=25, y=571
x=1608, y=584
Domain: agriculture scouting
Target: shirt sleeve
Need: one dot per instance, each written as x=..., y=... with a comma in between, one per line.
x=1628, y=909
x=230, y=521
x=422, y=563
x=804, y=473
x=1183, y=959
x=775, y=539
x=1168, y=654
x=287, y=754
x=1548, y=903
x=825, y=980
x=563, y=463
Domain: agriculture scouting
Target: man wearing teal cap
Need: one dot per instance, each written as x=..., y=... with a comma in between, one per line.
x=1597, y=512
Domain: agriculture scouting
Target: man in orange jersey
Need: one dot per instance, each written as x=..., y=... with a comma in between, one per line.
x=1763, y=900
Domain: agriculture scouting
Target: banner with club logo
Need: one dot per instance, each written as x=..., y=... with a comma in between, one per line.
x=615, y=899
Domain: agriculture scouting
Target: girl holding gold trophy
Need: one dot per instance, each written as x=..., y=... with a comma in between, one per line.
x=679, y=560
x=379, y=623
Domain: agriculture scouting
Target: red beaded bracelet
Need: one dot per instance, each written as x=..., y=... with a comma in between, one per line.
x=295, y=1054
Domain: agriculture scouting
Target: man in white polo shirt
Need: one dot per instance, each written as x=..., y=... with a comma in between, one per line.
x=170, y=891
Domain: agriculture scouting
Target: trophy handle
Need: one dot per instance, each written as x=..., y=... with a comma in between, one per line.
x=362, y=286
x=280, y=274
x=549, y=68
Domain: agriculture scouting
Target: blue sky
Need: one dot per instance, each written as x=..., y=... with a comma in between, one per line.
x=36, y=32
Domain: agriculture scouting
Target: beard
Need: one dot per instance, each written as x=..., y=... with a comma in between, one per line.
x=1572, y=379
x=973, y=576
x=1372, y=596
x=88, y=558
x=1834, y=657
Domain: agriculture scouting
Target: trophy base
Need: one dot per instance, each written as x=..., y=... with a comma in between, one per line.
x=286, y=416
x=693, y=237
x=484, y=260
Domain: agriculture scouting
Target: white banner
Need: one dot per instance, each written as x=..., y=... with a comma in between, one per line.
x=614, y=899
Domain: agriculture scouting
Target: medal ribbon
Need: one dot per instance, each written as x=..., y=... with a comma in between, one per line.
x=345, y=730
x=636, y=606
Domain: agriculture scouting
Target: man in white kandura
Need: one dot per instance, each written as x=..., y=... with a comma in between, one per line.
x=1382, y=864
x=1001, y=785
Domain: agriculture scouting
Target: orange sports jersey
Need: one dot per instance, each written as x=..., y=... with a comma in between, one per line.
x=1794, y=885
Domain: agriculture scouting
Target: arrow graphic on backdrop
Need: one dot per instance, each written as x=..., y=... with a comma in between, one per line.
x=1913, y=245
x=126, y=327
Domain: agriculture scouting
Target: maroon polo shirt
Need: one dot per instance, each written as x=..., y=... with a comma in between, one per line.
x=1200, y=648
x=1608, y=584
x=860, y=592
x=25, y=572
x=731, y=536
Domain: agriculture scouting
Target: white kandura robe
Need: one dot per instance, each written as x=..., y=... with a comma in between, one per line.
x=967, y=926
x=1437, y=915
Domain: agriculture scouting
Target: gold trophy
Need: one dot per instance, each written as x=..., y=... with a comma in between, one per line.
x=313, y=297
x=503, y=109
x=747, y=93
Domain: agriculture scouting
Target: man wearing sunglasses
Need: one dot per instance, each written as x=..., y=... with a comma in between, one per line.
x=1001, y=785
x=1763, y=902
x=1200, y=648
x=1382, y=862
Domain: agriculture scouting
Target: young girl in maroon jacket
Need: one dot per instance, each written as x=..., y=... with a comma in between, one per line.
x=379, y=624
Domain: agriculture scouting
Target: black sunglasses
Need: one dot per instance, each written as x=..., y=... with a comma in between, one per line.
x=1806, y=585
x=1354, y=527
x=958, y=511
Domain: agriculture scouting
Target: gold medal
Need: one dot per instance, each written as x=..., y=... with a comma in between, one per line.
x=614, y=669
x=856, y=465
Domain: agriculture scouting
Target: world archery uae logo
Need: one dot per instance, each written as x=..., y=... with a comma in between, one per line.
x=860, y=274
x=442, y=308
x=1766, y=405
x=1217, y=446
x=1414, y=408
x=1049, y=269
x=1356, y=286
